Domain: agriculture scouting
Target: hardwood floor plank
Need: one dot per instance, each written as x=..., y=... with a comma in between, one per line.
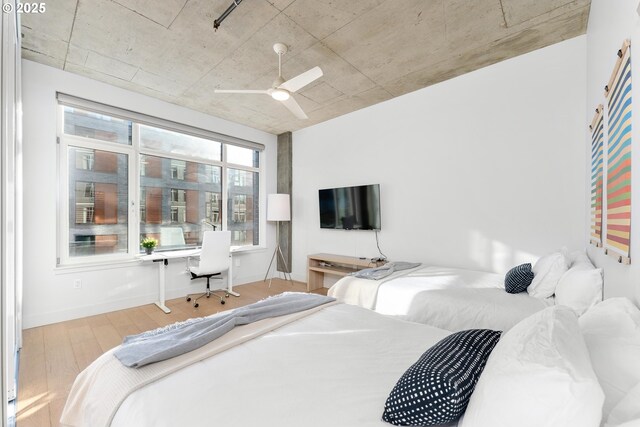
x=78, y=334
x=55, y=410
x=34, y=415
x=86, y=352
x=141, y=319
x=33, y=340
x=59, y=359
x=107, y=337
x=33, y=391
x=123, y=323
x=119, y=318
x=98, y=320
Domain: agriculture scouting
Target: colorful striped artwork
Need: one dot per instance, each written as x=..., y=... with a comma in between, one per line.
x=597, y=165
x=618, y=221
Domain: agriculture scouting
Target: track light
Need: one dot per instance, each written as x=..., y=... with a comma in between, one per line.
x=217, y=22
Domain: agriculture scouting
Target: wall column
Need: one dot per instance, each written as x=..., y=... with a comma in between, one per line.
x=284, y=187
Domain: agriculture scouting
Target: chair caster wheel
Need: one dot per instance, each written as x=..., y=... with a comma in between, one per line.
x=222, y=301
x=226, y=296
x=188, y=299
x=208, y=296
x=196, y=305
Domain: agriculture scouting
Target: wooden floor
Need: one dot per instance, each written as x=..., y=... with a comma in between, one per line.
x=53, y=355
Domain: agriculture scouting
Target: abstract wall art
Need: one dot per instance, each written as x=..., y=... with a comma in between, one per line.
x=618, y=190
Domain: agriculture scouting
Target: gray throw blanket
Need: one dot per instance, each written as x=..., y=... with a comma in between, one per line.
x=378, y=273
x=182, y=337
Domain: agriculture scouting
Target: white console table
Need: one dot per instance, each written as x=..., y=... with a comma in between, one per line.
x=163, y=257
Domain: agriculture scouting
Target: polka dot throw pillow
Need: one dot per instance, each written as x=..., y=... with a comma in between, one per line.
x=437, y=388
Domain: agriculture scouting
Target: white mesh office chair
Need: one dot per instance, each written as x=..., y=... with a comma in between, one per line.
x=215, y=258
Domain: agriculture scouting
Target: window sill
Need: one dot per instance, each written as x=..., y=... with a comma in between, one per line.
x=249, y=249
x=95, y=266
x=131, y=262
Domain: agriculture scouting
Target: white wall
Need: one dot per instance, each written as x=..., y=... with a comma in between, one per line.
x=49, y=295
x=610, y=22
x=483, y=171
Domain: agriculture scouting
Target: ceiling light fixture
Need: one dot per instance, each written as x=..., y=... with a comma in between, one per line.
x=282, y=90
x=280, y=94
x=217, y=22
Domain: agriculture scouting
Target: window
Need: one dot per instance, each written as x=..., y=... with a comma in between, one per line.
x=193, y=207
x=143, y=203
x=96, y=126
x=84, y=159
x=98, y=200
x=242, y=191
x=239, y=208
x=84, y=202
x=212, y=207
x=178, y=168
x=173, y=143
x=211, y=174
x=178, y=206
x=181, y=186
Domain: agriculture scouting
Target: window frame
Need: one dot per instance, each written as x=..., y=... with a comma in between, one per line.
x=66, y=141
x=135, y=153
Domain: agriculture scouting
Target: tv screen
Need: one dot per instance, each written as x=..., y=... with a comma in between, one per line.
x=350, y=208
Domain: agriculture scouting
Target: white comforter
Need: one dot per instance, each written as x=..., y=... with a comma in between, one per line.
x=333, y=368
x=448, y=298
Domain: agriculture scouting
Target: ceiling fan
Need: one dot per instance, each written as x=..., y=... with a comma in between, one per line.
x=281, y=90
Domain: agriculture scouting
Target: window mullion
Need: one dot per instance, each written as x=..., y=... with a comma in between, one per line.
x=64, y=197
x=134, y=191
x=243, y=168
x=224, y=221
x=176, y=156
x=79, y=141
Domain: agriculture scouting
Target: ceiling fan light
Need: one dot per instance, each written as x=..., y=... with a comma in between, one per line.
x=280, y=94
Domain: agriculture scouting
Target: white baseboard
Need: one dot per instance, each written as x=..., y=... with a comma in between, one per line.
x=71, y=313
x=41, y=319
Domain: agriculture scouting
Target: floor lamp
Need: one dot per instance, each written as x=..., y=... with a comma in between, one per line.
x=278, y=210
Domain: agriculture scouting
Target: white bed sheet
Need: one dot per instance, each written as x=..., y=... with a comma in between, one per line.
x=458, y=309
x=332, y=368
x=449, y=298
x=362, y=292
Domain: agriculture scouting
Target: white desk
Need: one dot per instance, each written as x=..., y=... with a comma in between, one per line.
x=162, y=258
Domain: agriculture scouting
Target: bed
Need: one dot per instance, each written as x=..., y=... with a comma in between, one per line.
x=449, y=298
x=336, y=365
x=284, y=373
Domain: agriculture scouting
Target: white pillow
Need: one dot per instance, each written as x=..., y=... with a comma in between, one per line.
x=578, y=257
x=611, y=330
x=580, y=288
x=627, y=412
x=547, y=272
x=539, y=374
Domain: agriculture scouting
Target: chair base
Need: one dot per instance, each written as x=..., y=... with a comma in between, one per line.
x=207, y=293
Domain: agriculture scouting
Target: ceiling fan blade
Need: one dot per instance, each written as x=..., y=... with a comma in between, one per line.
x=294, y=107
x=240, y=91
x=301, y=80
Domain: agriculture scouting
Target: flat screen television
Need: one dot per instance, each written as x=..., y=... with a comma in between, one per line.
x=350, y=208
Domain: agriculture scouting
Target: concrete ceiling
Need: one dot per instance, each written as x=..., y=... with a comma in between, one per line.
x=369, y=50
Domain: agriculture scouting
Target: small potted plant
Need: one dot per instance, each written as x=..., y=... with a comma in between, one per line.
x=149, y=244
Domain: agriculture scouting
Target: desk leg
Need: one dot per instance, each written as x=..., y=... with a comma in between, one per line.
x=230, y=281
x=162, y=263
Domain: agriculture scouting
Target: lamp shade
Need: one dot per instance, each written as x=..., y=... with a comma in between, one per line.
x=278, y=207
